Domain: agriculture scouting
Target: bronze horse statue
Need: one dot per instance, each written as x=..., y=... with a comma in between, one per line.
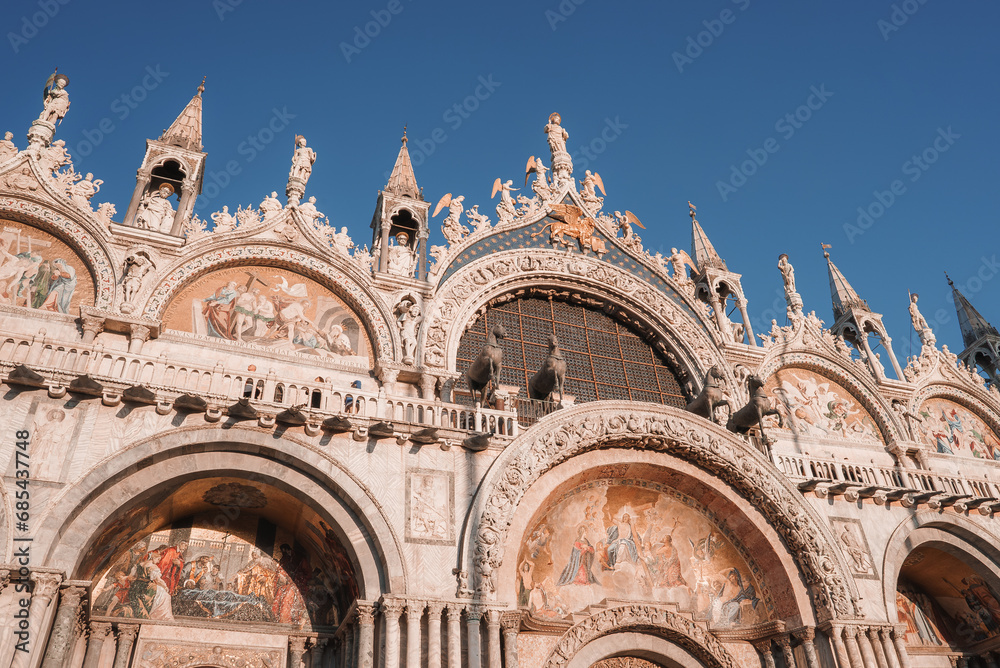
x=549, y=379
x=752, y=415
x=485, y=369
x=712, y=395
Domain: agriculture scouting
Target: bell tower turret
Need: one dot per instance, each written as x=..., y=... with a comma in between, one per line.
x=399, y=226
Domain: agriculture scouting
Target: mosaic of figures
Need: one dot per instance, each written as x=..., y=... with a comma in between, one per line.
x=950, y=607
x=254, y=572
x=814, y=405
x=952, y=429
x=37, y=270
x=634, y=540
x=270, y=307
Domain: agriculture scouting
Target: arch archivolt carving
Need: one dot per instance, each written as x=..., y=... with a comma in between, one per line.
x=469, y=289
x=605, y=424
x=651, y=619
x=75, y=235
x=384, y=336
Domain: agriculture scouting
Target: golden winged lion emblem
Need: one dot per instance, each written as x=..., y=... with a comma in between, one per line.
x=569, y=220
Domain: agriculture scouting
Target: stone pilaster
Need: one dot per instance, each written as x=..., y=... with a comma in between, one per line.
x=62, y=629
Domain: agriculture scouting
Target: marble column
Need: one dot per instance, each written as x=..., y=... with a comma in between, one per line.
x=347, y=647
x=391, y=609
x=853, y=650
x=99, y=632
x=511, y=623
x=414, y=612
x=296, y=650
x=366, y=635
x=899, y=640
x=876, y=644
x=839, y=648
x=885, y=635
x=46, y=587
x=807, y=637
x=317, y=653
x=126, y=639
x=454, y=635
x=473, y=621
x=493, y=638
x=62, y=628
x=866, y=649
x=764, y=647
x=434, y=609
x=785, y=643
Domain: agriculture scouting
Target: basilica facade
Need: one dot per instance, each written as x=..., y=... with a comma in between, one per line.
x=254, y=441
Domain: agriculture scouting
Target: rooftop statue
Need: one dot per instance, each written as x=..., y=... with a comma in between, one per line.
x=506, y=209
x=562, y=163
x=55, y=99
x=927, y=337
x=302, y=162
x=451, y=226
x=792, y=298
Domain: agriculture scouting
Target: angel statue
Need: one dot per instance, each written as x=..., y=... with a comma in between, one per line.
x=588, y=184
x=506, y=209
x=625, y=224
x=541, y=184
x=55, y=99
x=452, y=226
x=679, y=260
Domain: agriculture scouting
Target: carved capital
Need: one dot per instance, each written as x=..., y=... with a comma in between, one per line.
x=434, y=609
x=454, y=611
x=99, y=631
x=126, y=634
x=4, y=579
x=805, y=635
x=139, y=333
x=392, y=608
x=92, y=325
x=71, y=596
x=492, y=617
x=365, y=613
x=46, y=585
x=297, y=644
x=415, y=609
x=510, y=621
x=762, y=646
x=474, y=613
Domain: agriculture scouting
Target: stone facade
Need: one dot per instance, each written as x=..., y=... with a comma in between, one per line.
x=256, y=442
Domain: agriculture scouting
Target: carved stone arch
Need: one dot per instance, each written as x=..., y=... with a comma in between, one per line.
x=647, y=620
x=465, y=293
x=605, y=424
x=377, y=319
x=952, y=533
x=861, y=386
x=76, y=515
x=92, y=247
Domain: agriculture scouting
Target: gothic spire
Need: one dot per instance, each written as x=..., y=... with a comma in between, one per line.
x=185, y=132
x=701, y=248
x=974, y=325
x=843, y=295
x=402, y=181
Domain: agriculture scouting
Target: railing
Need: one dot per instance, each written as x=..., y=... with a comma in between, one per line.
x=530, y=411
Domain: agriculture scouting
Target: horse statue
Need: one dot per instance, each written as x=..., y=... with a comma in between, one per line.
x=752, y=415
x=712, y=395
x=485, y=369
x=549, y=379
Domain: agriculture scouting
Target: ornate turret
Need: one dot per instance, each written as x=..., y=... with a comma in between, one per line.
x=981, y=339
x=174, y=165
x=715, y=284
x=855, y=320
x=399, y=226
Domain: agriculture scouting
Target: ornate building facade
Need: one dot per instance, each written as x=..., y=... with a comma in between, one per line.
x=259, y=443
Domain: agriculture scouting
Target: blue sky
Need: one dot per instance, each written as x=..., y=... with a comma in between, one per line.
x=683, y=93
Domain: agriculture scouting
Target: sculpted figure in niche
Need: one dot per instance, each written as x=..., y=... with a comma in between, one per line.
x=136, y=268
x=408, y=320
x=56, y=100
x=400, y=256
x=155, y=211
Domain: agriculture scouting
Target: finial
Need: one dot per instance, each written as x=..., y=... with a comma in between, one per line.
x=201, y=88
x=824, y=247
x=404, y=135
x=949, y=279
x=692, y=208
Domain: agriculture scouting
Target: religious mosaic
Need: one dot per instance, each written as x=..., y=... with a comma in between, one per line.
x=37, y=270
x=634, y=540
x=270, y=307
x=254, y=571
x=813, y=405
x=952, y=429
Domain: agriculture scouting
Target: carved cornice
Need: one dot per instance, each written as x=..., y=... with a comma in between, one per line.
x=647, y=618
x=605, y=424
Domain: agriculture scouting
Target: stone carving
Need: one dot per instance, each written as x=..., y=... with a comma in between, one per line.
x=81, y=192
x=506, y=209
x=852, y=539
x=681, y=262
x=302, y=163
x=588, y=191
x=452, y=227
x=158, y=654
x=479, y=221
x=484, y=371
x=342, y=242
x=646, y=618
x=137, y=265
x=56, y=99
x=429, y=510
x=569, y=220
x=924, y=330
x=562, y=163
x=401, y=257
x=713, y=394
x=601, y=425
x=155, y=210
x=7, y=147
x=106, y=211
x=270, y=206
x=310, y=211
x=54, y=158
x=364, y=258
x=224, y=221
x=194, y=228
x=540, y=185
x=792, y=298
x=247, y=217
x=623, y=224
x=408, y=319
x=752, y=415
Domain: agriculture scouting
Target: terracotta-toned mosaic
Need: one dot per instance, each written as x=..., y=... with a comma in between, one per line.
x=952, y=429
x=639, y=541
x=813, y=405
x=272, y=308
x=38, y=270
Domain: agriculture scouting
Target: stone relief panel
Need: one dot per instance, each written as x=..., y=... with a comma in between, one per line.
x=814, y=405
x=640, y=541
x=430, y=507
x=54, y=432
x=272, y=308
x=37, y=270
x=952, y=429
x=852, y=539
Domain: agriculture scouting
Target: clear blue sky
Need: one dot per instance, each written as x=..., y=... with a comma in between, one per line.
x=889, y=90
